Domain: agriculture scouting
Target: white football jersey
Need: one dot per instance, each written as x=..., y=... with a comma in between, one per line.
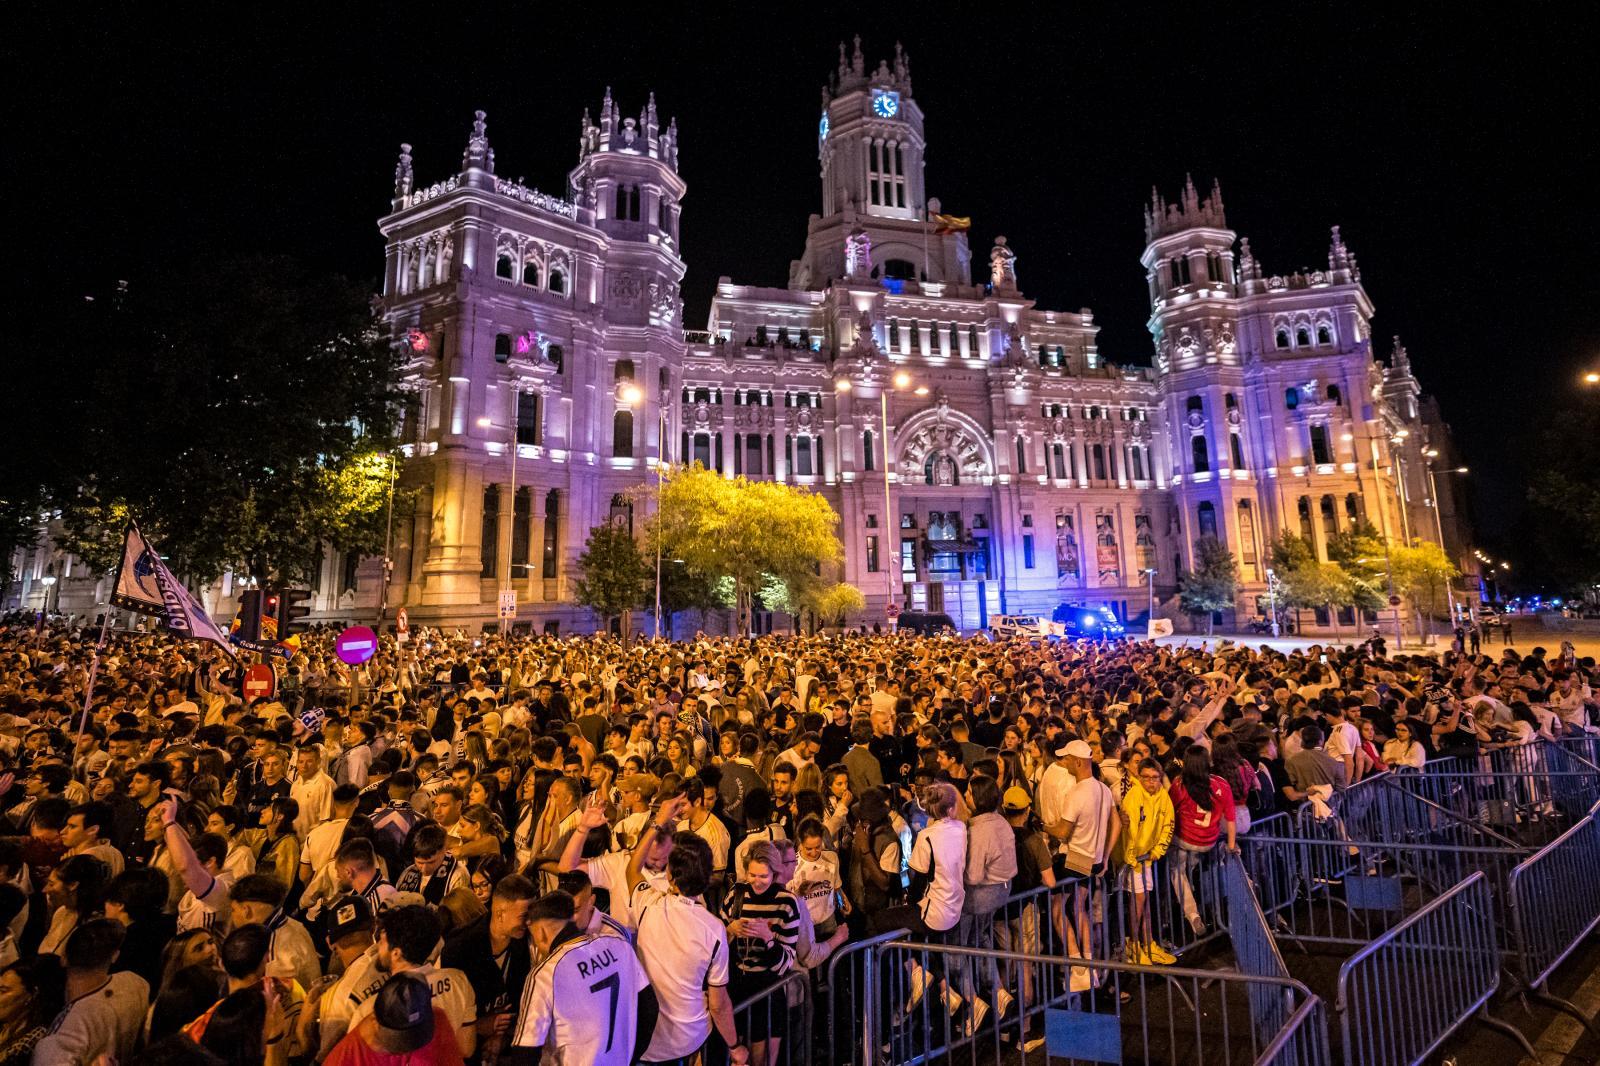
x=582, y=1002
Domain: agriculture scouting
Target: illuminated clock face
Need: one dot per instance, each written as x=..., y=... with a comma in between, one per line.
x=885, y=104
x=822, y=127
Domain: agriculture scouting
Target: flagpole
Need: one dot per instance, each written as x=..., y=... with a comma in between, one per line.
x=88, y=693
x=925, y=239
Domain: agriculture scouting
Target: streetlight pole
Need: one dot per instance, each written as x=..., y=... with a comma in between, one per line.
x=1150, y=578
x=661, y=456
x=1399, y=440
x=1438, y=521
x=1272, y=598
x=511, y=442
x=1388, y=567
x=388, y=549
x=891, y=527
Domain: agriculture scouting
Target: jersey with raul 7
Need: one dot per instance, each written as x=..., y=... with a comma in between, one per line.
x=584, y=998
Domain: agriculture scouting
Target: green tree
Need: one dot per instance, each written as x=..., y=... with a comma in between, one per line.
x=683, y=589
x=1423, y=573
x=1312, y=584
x=834, y=604
x=745, y=531
x=614, y=576
x=1213, y=584
x=1360, y=553
x=240, y=410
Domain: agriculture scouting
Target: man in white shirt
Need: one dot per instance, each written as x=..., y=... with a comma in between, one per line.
x=322, y=842
x=1054, y=784
x=205, y=904
x=585, y=998
x=350, y=938
x=407, y=939
x=1088, y=829
x=312, y=789
x=1344, y=740
x=886, y=697
x=701, y=821
x=609, y=871
x=683, y=947
x=105, y=1011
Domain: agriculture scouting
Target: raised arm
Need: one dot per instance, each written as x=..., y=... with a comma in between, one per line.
x=194, y=874
x=667, y=816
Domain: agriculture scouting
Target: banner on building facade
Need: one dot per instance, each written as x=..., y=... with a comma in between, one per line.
x=145, y=584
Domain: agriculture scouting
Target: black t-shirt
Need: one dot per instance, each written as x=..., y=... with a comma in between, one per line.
x=496, y=980
x=835, y=742
x=987, y=733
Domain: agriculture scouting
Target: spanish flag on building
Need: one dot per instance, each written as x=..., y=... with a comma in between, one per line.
x=950, y=223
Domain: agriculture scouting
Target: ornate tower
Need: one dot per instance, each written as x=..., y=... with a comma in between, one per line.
x=870, y=149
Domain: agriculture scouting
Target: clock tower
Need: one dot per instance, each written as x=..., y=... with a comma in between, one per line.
x=870, y=149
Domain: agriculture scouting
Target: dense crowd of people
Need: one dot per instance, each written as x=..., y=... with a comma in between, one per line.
x=486, y=849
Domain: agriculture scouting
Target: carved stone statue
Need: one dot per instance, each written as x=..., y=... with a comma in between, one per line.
x=858, y=254
x=402, y=172
x=1002, y=266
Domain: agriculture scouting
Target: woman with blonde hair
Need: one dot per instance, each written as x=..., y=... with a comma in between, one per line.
x=481, y=832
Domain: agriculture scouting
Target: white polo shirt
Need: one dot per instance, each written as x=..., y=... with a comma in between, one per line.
x=584, y=998
x=684, y=950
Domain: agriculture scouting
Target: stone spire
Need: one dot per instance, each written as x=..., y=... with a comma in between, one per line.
x=402, y=173
x=858, y=65
x=1338, y=254
x=1398, y=359
x=478, y=155
x=1249, y=269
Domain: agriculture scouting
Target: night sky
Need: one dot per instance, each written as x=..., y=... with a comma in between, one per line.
x=1460, y=162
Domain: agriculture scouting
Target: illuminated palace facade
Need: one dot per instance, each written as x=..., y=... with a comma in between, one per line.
x=983, y=454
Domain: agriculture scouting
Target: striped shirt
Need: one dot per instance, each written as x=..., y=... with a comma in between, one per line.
x=779, y=908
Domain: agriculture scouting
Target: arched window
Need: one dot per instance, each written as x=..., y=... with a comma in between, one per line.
x=894, y=333
x=1324, y=335
x=1097, y=458
x=1321, y=448
x=1201, y=454
x=1230, y=401
x=1330, y=518
x=1208, y=520
x=623, y=371
x=622, y=435
x=901, y=269
x=1302, y=337
x=504, y=267
x=1282, y=338
x=1291, y=398
x=527, y=418
x=530, y=273
x=558, y=280
x=1236, y=447
x=502, y=347
x=1352, y=508
x=522, y=514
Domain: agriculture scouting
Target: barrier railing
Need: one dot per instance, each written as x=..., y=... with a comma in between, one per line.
x=1342, y=891
x=1091, y=1011
x=1509, y=799
x=1555, y=900
x=845, y=999
x=1403, y=994
x=1255, y=949
x=779, y=1017
x=1388, y=811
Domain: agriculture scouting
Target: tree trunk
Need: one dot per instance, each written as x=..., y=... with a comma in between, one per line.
x=1333, y=619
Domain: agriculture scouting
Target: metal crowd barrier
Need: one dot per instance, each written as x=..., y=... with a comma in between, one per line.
x=1402, y=995
x=1255, y=949
x=1089, y=1011
x=1509, y=799
x=1555, y=904
x=1381, y=808
x=779, y=1016
x=1347, y=892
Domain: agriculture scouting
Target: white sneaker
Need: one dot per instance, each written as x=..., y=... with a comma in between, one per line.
x=980, y=1011
x=919, y=985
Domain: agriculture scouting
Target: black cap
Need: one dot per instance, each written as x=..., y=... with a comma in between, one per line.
x=350, y=914
x=404, y=1013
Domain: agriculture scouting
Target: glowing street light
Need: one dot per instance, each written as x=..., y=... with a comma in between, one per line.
x=901, y=381
x=1592, y=378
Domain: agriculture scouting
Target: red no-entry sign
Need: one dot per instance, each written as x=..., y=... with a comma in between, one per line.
x=259, y=681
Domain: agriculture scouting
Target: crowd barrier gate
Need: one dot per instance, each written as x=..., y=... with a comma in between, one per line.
x=1400, y=996
x=1555, y=902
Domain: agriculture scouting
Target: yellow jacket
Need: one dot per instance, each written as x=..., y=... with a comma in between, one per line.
x=1150, y=820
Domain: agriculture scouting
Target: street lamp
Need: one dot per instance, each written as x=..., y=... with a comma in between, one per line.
x=632, y=395
x=901, y=381
x=1149, y=574
x=1272, y=598
x=1383, y=516
x=1592, y=378
x=1438, y=520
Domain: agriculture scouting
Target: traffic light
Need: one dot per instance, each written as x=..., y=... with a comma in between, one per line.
x=269, y=617
x=250, y=615
x=292, y=611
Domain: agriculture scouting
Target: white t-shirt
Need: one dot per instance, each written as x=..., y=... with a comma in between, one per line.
x=684, y=950
x=610, y=872
x=1054, y=786
x=816, y=882
x=713, y=832
x=943, y=844
x=209, y=909
x=583, y=1000
x=1089, y=808
x=106, y=1021
x=1343, y=740
x=452, y=993
x=315, y=796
